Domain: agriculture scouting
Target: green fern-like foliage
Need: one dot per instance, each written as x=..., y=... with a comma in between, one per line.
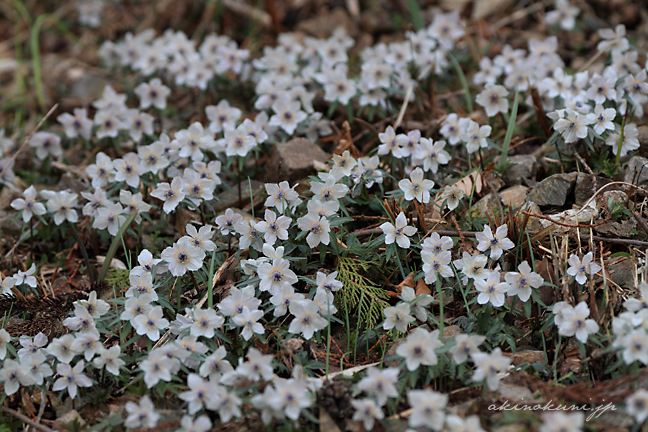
x=118, y=278
x=360, y=292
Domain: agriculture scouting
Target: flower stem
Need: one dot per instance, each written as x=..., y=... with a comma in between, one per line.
x=621, y=137
x=440, y=292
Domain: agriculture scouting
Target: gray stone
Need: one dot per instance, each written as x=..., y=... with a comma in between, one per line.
x=587, y=185
x=70, y=418
x=553, y=191
x=293, y=160
x=486, y=206
x=522, y=167
x=621, y=271
x=515, y=393
x=514, y=196
x=637, y=171
x=643, y=137
x=10, y=223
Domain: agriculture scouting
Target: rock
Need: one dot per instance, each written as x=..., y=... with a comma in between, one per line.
x=530, y=356
x=514, y=196
x=230, y=198
x=533, y=223
x=514, y=393
x=72, y=417
x=643, y=137
x=587, y=185
x=10, y=223
x=522, y=167
x=486, y=206
x=621, y=271
x=553, y=191
x=293, y=160
x=637, y=171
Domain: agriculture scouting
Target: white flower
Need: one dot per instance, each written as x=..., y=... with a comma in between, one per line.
x=38, y=366
x=134, y=204
x=71, y=378
x=575, y=323
x=409, y=143
x=496, y=243
x=430, y=154
x=613, y=40
x=283, y=299
x=61, y=348
x=436, y=264
x=128, y=169
x=171, y=194
x=110, y=217
x=436, y=244
x=389, y=143
x=274, y=227
x=280, y=195
x=153, y=93
x=428, y=409
x=76, y=125
x=290, y=396
x=307, y=318
x=201, y=394
x=602, y=118
x=151, y=323
x=367, y=412
x=200, y=424
x=490, y=367
x=30, y=346
x=472, y=266
x=582, y=268
x=493, y=99
x=142, y=414
x=87, y=342
x=466, y=346
x=328, y=283
x=238, y=298
x=564, y=14
x=380, y=384
x=46, y=144
x=635, y=346
x=558, y=421
x=329, y=191
x=249, y=320
x=418, y=348
x=318, y=229
x=61, y=204
x=573, y=127
x=238, y=142
x=13, y=375
x=343, y=164
x=27, y=277
x=205, y=322
x=275, y=275
x=200, y=239
x=183, y=256
x=633, y=304
x=398, y=233
x=109, y=359
x=520, y=284
x=287, y=115
x=491, y=289
x=630, y=140
x=215, y=365
x=475, y=136
x=416, y=188
x=453, y=127
x=637, y=405
x=101, y=171
x=222, y=116
x=28, y=204
x=157, y=366
x=417, y=307
x=398, y=317
x=5, y=338
x=228, y=220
